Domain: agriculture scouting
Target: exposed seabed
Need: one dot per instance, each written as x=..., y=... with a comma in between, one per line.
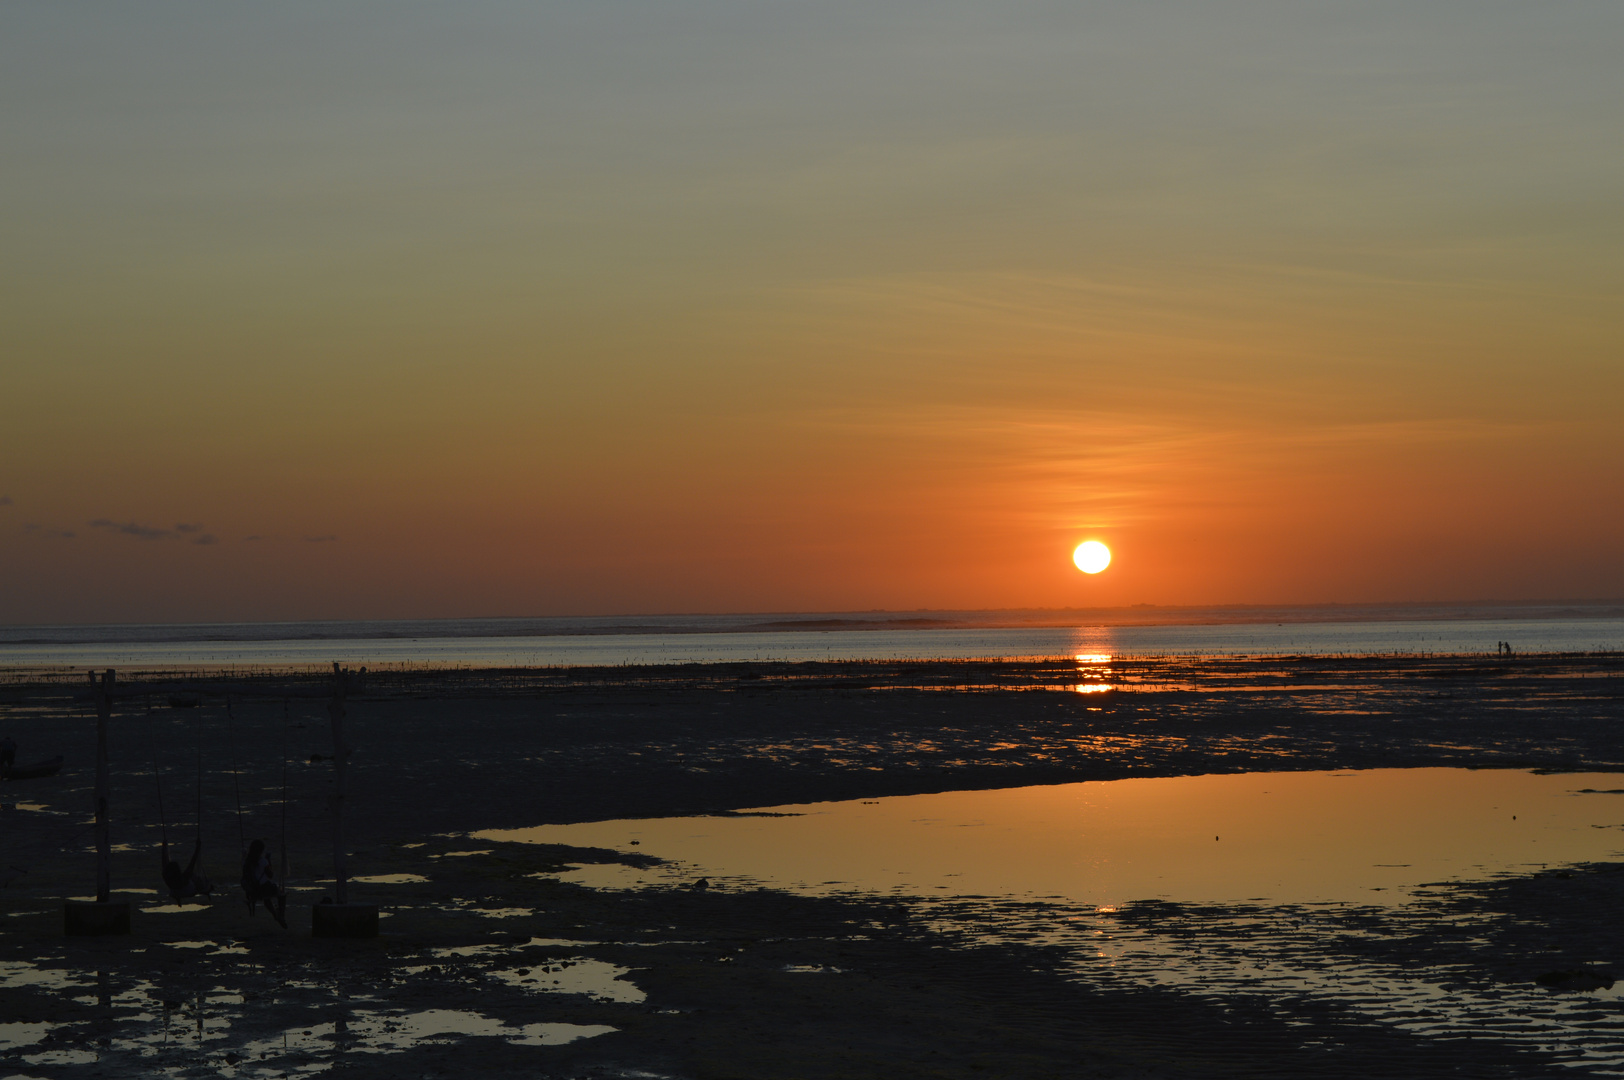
x=491, y=955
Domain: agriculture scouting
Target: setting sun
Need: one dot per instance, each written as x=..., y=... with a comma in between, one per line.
x=1091, y=556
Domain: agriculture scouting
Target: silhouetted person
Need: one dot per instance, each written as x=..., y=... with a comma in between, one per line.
x=259, y=884
x=8, y=753
x=185, y=882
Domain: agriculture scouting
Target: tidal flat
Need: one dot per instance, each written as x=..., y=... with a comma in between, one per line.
x=504, y=957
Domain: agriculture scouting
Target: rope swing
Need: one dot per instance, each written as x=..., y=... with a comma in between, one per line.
x=182, y=882
x=259, y=884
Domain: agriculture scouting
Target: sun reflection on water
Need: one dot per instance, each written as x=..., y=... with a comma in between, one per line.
x=1089, y=669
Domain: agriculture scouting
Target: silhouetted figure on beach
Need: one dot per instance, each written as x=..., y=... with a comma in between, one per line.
x=185, y=882
x=8, y=754
x=259, y=884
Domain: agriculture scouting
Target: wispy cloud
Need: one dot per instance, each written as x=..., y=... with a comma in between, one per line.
x=1073, y=468
x=55, y=534
x=5, y=500
x=193, y=531
x=131, y=528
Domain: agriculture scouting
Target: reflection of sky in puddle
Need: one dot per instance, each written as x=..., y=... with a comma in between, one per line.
x=13, y=973
x=576, y=975
x=390, y=879
x=386, y=1033
x=568, y=975
x=1284, y=837
x=1306, y=877
x=21, y=1034
x=147, y=1022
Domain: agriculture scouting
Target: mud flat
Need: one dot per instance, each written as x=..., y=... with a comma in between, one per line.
x=492, y=958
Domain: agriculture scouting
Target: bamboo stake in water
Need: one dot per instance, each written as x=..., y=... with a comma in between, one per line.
x=284, y=842
x=335, y=709
x=104, y=843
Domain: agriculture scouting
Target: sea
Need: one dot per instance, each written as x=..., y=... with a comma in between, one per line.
x=1143, y=631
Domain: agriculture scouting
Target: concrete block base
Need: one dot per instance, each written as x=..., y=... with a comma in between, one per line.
x=344, y=920
x=89, y=918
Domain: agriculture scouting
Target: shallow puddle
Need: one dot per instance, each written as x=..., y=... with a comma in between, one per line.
x=576, y=975
x=372, y=1032
x=390, y=879
x=1365, y=836
x=1285, y=889
x=166, y=1024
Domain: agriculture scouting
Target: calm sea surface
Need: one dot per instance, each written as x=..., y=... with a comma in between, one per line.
x=713, y=639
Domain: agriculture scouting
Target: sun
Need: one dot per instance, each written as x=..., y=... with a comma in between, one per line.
x=1091, y=556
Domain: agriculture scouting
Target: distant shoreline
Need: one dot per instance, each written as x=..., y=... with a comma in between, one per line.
x=1138, y=615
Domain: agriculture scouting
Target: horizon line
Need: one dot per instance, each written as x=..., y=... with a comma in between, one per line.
x=1123, y=608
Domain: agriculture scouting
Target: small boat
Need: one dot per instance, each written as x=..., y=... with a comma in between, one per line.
x=48, y=767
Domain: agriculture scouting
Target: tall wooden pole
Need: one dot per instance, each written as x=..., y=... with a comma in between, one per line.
x=335, y=709
x=283, y=843
x=104, y=843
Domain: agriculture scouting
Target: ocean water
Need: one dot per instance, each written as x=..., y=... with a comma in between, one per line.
x=863, y=636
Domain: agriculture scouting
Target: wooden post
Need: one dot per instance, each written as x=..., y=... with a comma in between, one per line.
x=342, y=919
x=100, y=916
x=283, y=843
x=104, y=841
x=335, y=709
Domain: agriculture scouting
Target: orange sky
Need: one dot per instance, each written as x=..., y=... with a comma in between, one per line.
x=523, y=309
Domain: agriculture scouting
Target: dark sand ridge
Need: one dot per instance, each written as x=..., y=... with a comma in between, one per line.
x=447, y=752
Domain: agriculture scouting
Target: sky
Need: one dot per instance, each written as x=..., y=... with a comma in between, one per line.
x=372, y=310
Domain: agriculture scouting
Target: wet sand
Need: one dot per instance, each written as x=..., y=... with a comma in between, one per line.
x=731, y=983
